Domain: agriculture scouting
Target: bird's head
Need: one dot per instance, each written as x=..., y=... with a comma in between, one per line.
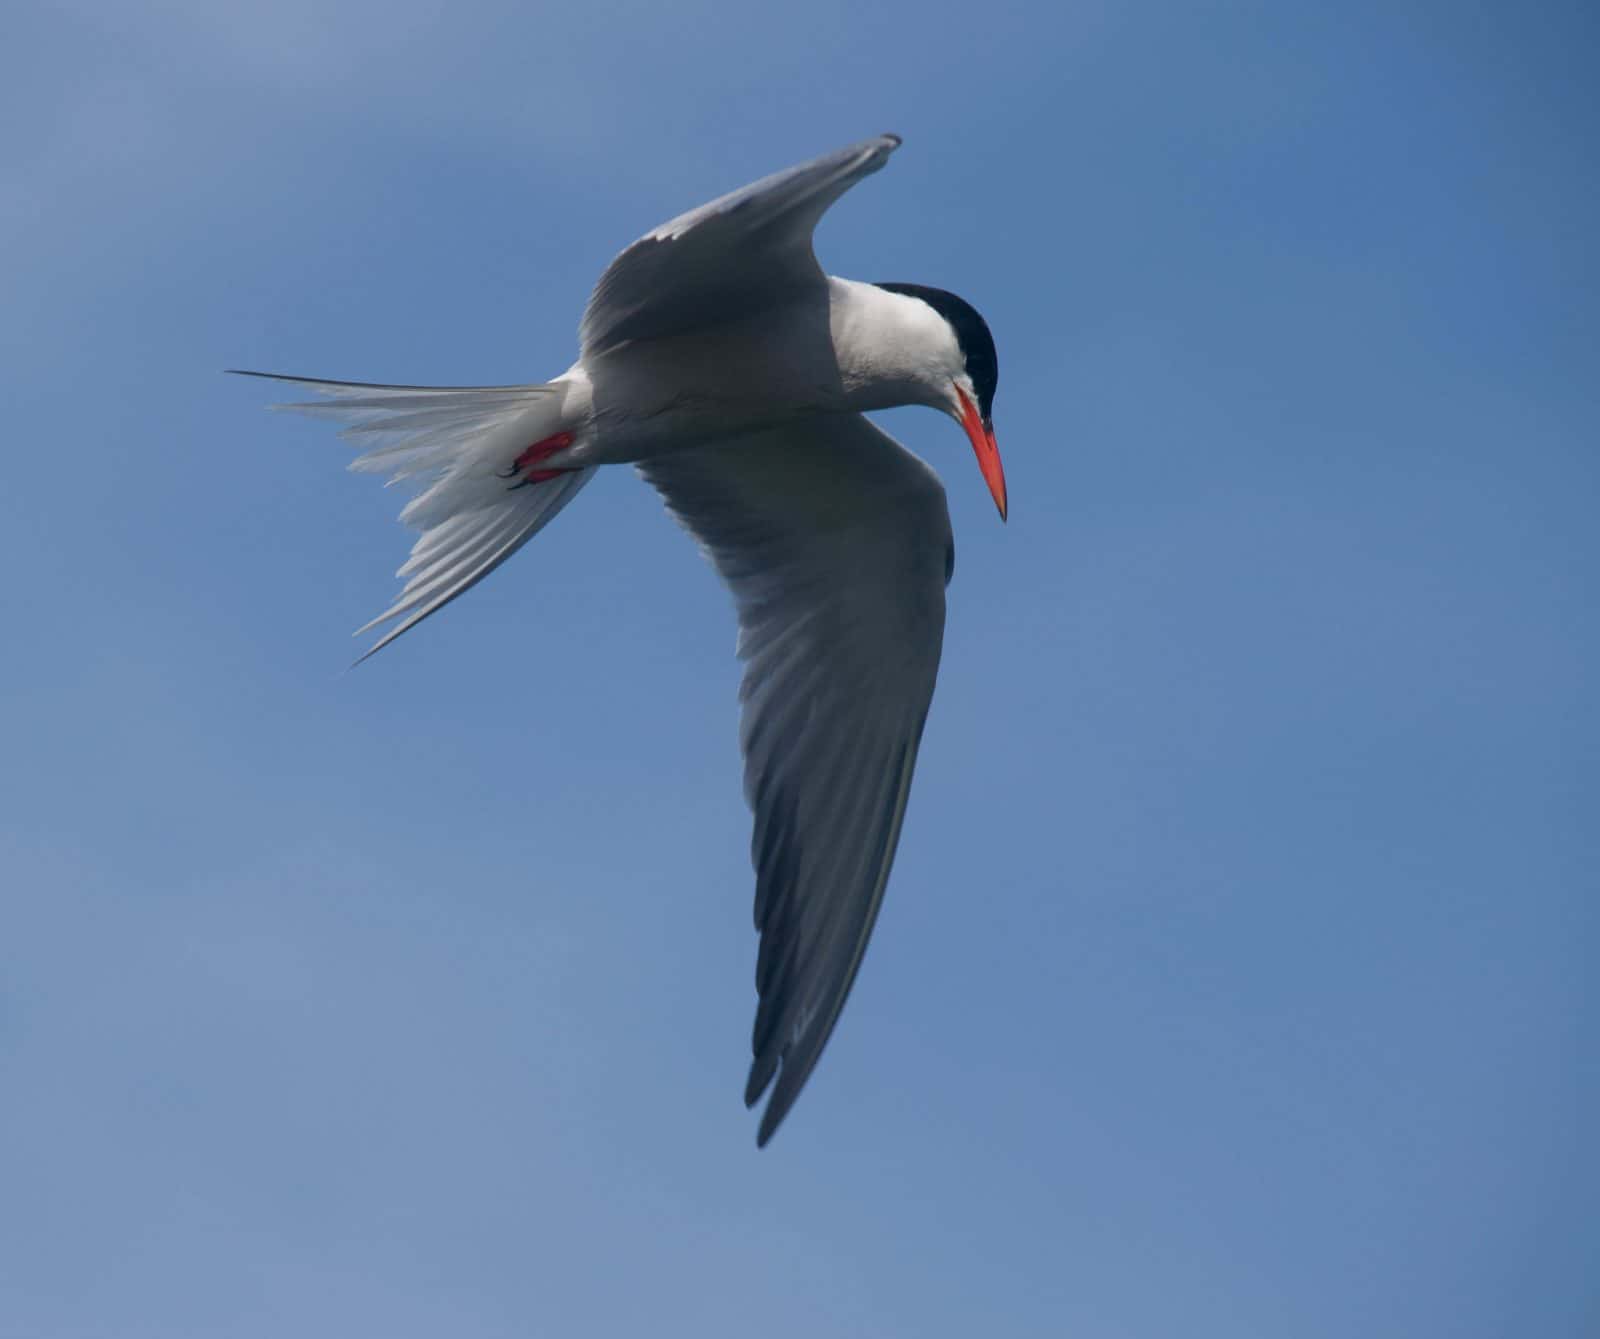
x=968, y=378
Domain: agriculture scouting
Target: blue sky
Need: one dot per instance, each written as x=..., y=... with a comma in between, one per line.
x=1236, y=974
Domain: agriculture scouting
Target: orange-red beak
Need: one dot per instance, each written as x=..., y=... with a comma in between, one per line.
x=981, y=435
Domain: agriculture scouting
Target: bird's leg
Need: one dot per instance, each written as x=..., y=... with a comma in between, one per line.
x=526, y=464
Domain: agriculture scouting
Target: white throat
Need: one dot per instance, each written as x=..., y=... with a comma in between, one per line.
x=891, y=349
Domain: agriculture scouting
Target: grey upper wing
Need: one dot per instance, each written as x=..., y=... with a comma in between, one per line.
x=727, y=257
x=836, y=543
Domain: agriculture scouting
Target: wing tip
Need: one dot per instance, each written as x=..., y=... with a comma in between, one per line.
x=771, y=1119
x=780, y=1104
x=761, y=1071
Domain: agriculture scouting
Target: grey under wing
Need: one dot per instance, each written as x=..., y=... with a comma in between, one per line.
x=727, y=258
x=835, y=541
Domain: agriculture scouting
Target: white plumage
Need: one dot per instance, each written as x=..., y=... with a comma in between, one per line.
x=718, y=357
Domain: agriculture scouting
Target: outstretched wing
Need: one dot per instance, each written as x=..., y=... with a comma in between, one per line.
x=836, y=543
x=725, y=258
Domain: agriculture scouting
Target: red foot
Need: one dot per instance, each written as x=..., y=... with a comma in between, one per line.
x=541, y=451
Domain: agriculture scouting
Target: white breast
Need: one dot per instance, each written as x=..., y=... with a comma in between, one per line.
x=844, y=348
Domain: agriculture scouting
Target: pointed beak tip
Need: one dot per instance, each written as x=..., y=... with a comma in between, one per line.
x=981, y=433
x=993, y=472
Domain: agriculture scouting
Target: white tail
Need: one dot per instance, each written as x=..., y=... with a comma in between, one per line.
x=460, y=442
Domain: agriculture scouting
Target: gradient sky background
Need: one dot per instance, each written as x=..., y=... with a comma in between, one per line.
x=1236, y=974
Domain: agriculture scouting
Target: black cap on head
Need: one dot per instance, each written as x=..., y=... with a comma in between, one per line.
x=972, y=334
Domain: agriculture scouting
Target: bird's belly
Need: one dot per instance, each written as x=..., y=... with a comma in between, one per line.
x=618, y=439
x=667, y=394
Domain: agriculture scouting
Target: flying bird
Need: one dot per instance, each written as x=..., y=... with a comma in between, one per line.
x=718, y=358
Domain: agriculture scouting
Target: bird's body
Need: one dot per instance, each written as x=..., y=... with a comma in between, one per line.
x=718, y=358
x=848, y=348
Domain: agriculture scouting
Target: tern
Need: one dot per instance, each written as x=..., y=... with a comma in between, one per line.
x=718, y=358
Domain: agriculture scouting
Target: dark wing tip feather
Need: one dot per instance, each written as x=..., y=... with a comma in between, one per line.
x=783, y=1099
x=762, y=1068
